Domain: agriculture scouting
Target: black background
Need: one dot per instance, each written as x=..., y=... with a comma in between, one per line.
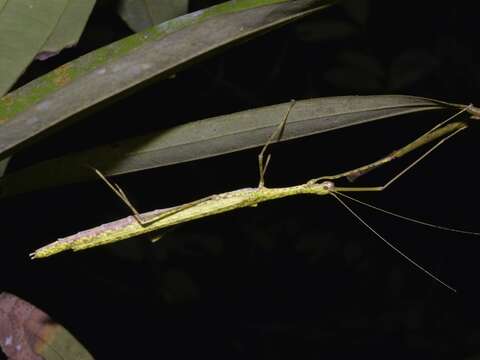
x=299, y=277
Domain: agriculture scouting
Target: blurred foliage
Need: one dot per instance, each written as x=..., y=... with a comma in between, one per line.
x=140, y=15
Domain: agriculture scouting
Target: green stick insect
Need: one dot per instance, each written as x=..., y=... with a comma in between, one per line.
x=155, y=220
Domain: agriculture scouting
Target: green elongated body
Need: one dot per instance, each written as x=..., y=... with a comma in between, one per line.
x=139, y=224
x=158, y=219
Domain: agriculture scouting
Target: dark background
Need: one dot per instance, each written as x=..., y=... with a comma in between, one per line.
x=298, y=277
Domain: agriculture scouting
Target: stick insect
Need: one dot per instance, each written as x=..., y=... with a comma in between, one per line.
x=155, y=220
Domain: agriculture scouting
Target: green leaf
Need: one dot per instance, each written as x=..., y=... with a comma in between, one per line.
x=26, y=332
x=215, y=136
x=34, y=28
x=142, y=14
x=25, y=26
x=65, y=33
x=69, y=28
x=46, y=102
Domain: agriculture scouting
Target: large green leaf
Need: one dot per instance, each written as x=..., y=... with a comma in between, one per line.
x=25, y=26
x=46, y=102
x=215, y=136
x=34, y=28
x=69, y=28
x=141, y=14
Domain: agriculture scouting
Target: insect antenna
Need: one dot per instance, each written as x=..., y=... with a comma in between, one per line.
x=403, y=217
x=397, y=250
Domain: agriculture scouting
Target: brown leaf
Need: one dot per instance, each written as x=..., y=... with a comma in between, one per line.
x=28, y=333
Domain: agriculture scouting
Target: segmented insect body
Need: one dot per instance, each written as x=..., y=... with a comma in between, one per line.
x=158, y=219
x=139, y=224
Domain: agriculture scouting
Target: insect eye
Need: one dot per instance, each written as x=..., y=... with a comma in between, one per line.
x=328, y=185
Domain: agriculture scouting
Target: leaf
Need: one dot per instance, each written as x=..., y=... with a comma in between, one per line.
x=141, y=14
x=45, y=103
x=69, y=28
x=32, y=29
x=27, y=333
x=215, y=136
x=25, y=26
x=66, y=33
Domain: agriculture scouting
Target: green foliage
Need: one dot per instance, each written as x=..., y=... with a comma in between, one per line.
x=212, y=137
x=140, y=15
x=30, y=29
x=77, y=89
x=50, y=100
